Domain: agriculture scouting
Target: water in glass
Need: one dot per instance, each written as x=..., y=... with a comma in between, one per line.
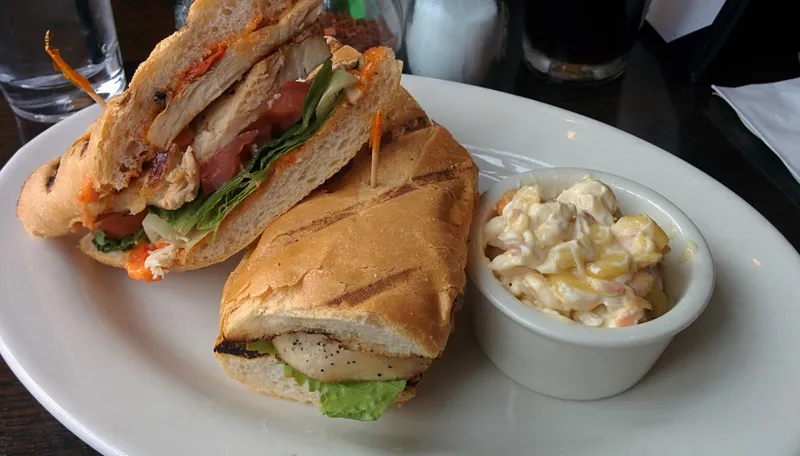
x=84, y=33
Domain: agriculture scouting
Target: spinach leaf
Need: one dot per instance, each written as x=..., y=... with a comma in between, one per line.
x=106, y=245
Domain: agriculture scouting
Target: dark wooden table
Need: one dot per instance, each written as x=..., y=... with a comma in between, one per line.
x=683, y=119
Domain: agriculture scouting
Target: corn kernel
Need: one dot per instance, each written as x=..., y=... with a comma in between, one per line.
x=569, y=289
x=642, y=223
x=558, y=260
x=642, y=238
x=647, y=259
x=600, y=234
x=609, y=266
x=568, y=279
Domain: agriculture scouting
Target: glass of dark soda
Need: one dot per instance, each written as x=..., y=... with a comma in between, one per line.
x=581, y=40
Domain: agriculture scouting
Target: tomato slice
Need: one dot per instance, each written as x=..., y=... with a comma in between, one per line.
x=117, y=225
x=224, y=164
x=287, y=109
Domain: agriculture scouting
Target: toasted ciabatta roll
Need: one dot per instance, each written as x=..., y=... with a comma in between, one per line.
x=349, y=296
x=256, y=149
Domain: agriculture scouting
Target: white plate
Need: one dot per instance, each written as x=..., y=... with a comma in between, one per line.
x=129, y=368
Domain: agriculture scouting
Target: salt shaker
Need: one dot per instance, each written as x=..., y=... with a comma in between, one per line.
x=457, y=40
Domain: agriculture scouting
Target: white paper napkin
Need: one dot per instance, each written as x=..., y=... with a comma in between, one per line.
x=771, y=112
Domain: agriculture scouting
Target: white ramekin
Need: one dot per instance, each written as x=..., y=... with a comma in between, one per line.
x=574, y=361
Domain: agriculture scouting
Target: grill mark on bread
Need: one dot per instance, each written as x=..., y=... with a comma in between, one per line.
x=361, y=294
x=407, y=127
x=395, y=193
x=319, y=224
x=53, y=173
x=422, y=181
x=238, y=348
x=79, y=146
x=84, y=147
x=417, y=123
x=435, y=177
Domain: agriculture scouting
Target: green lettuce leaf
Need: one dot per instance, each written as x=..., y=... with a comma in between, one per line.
x=318, y=86
x=262, y=346
x=106, y=245
x=206, y=213
x=363, y=401
x=183, y=219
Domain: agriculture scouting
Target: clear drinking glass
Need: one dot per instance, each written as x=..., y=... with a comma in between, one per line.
x=363, y=24
x=581, y=40
x=85, y=35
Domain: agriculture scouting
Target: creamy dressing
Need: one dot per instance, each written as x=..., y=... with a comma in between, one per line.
x=574, y=259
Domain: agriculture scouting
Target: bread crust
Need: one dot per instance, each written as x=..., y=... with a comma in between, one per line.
x=377, y=269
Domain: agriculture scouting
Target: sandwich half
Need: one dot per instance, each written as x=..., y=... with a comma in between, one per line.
x=230, y=122
x=349, y=297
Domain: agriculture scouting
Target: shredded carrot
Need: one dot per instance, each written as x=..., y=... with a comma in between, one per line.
x=134, y=263
x=375, y=142
x=70, y=74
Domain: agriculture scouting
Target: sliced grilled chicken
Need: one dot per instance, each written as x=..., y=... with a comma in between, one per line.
x=171, y=180
x=324, y=359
